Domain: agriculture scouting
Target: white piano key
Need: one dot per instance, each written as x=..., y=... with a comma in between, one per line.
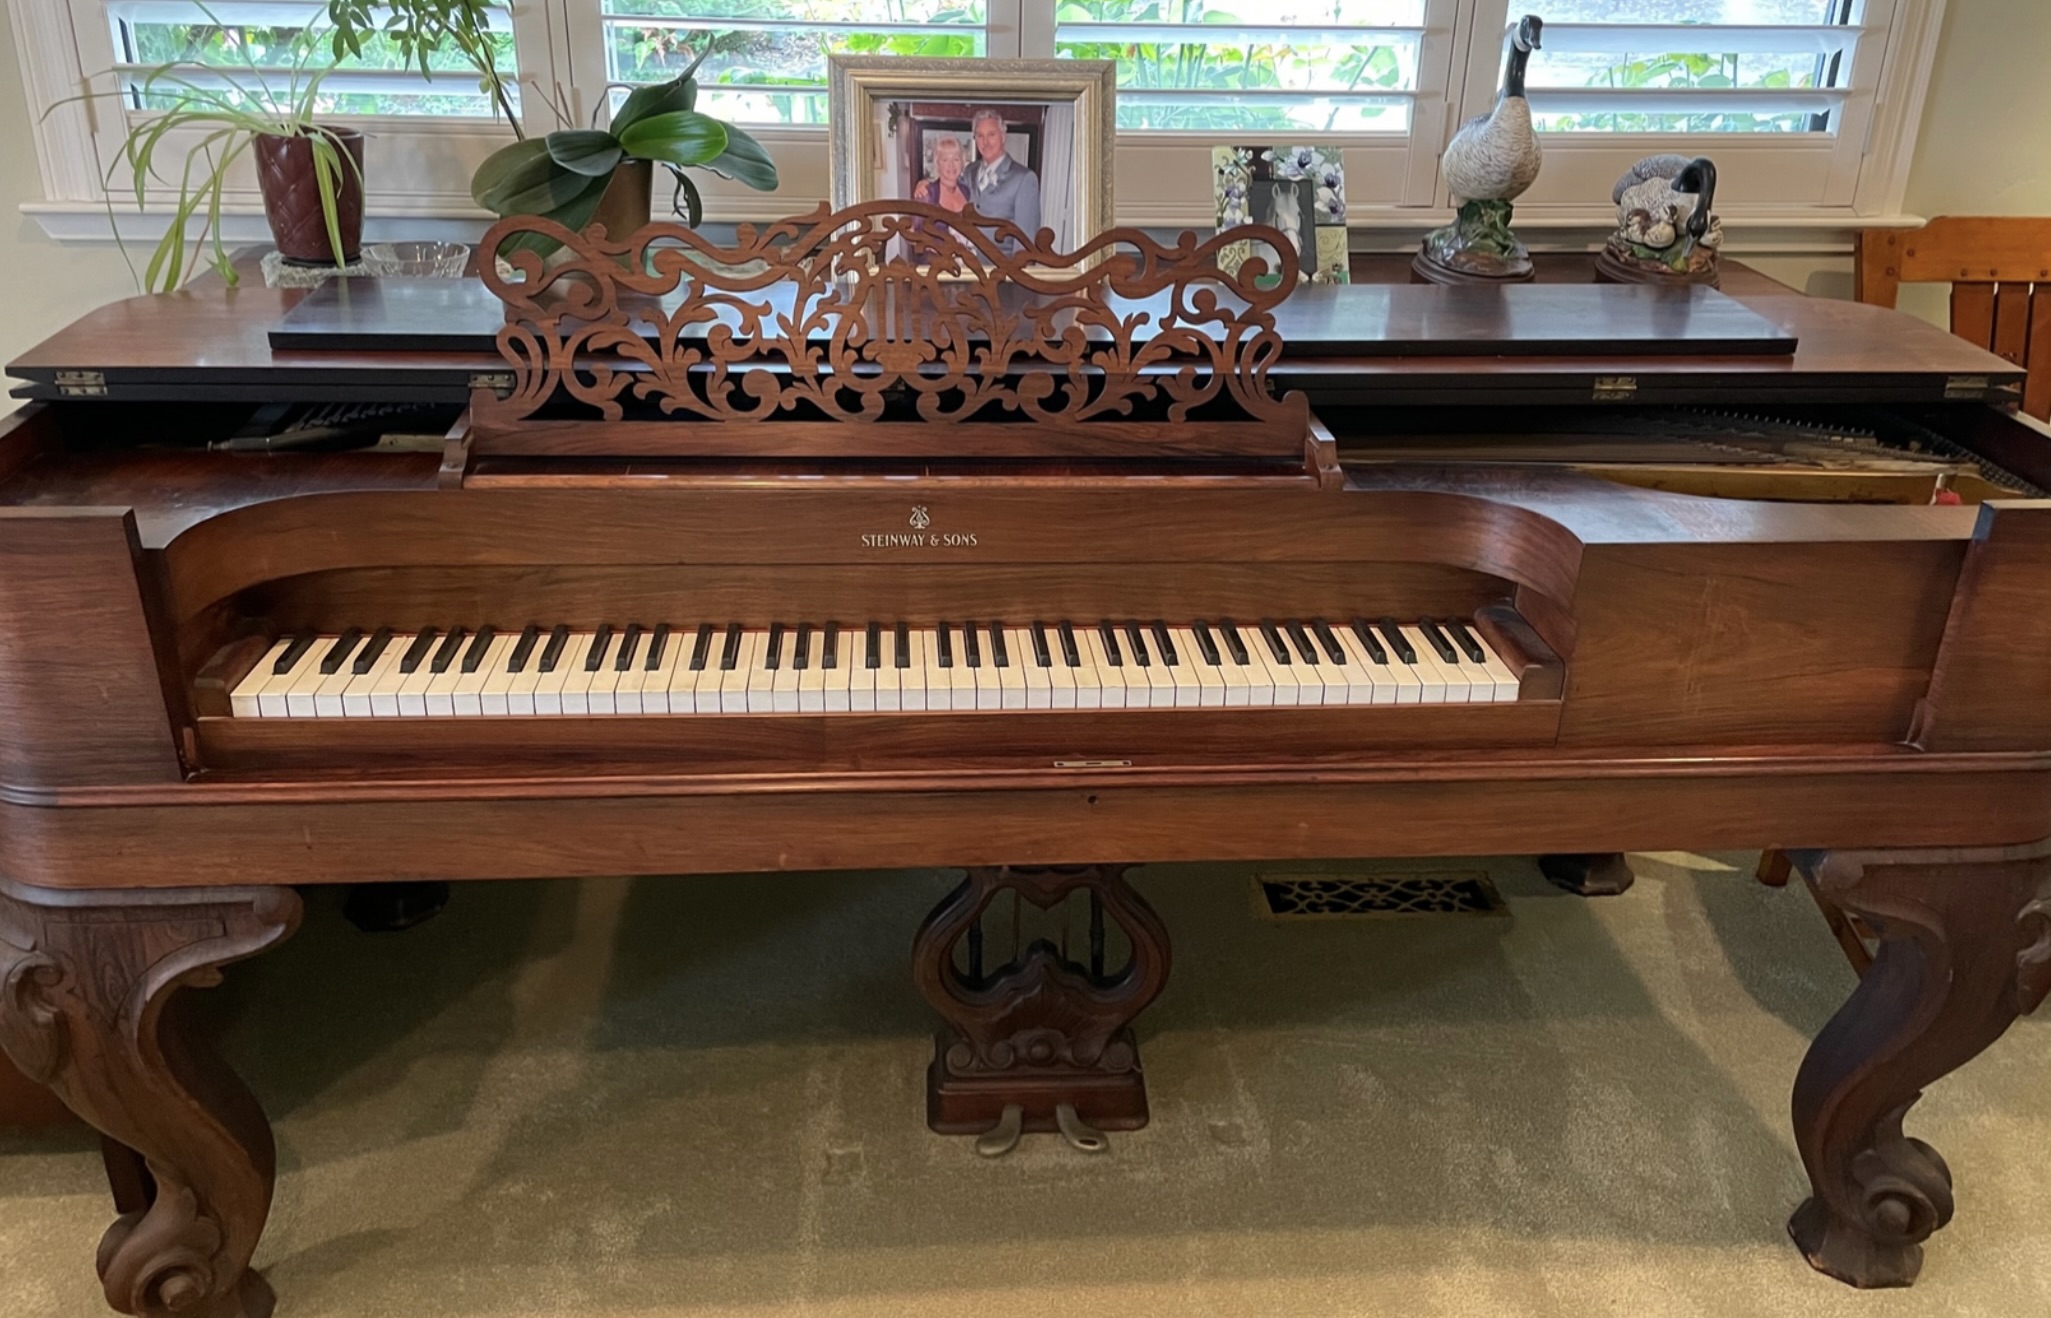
x=412, y=692
x=1453, y=684
x=859, y=694
x=305, y=679
x=548, y=688
x=958, y=678
x=1033, y=688
x=628, y=686
x=494, y=697
x=815, y=677
x=889, y=678
x=682, y=696
x=1198, y=682
x=523, y=684
x=327, y=695
x=734, y=683
x=1503, y=684
x=1061, y=679
x=1240, y=679
x=357, y=696
x=1346, y=681
x=440, y=696
x=783, y=678
x=1110, y=679
x=1282, y=678
x=243, y=700
x=1160, y=683
x=989, y=677
x=1379, y=679
x=576, y=689
x=468, y=698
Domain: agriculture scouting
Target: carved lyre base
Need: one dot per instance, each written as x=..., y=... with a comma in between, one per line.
x=88, y=988
x=1964, y=949
x=1049, y=1027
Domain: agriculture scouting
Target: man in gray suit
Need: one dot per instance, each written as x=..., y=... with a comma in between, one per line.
x=1000, y=187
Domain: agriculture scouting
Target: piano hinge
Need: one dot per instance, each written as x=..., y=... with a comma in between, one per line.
x=1615, y=388
x=499, y=382
x=82, y=384
x=1967, y=386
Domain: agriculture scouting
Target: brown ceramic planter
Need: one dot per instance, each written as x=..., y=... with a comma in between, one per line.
x=291, y=197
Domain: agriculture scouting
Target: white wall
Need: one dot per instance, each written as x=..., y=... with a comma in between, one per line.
x=1985, y=149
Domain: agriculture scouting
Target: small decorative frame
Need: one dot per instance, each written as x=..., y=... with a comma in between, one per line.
x=1313, y=178
x=869, y=95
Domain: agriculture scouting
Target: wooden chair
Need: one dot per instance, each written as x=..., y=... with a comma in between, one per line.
x=1999, y=270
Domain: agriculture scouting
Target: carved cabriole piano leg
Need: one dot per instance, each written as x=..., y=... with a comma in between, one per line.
x=1965, y=948
x=87, y=988
x=1044, y=1030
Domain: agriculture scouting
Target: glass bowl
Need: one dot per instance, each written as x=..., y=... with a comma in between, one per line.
x=417, y=260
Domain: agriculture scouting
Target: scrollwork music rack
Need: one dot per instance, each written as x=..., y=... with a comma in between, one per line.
x=921, y=336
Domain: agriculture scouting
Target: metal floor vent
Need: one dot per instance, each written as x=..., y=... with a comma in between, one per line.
x=1366, y=896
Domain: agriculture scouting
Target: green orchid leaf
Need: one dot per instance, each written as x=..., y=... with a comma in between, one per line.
x=679, y=137
x=589, y=151
x=573, y=215
x=661, y=98
x=744, y=161
x=524, y=179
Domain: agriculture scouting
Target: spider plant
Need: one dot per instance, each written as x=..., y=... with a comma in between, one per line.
x=231, y=107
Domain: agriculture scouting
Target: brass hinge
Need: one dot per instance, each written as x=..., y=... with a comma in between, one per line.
x=1967, y=386
x=1615, y=388
x=82, y=384
x=499, y=382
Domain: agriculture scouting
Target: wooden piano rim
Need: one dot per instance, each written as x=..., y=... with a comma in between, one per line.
x=1582, y=764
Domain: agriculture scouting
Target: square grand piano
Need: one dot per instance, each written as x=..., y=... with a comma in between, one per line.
x=845, y=545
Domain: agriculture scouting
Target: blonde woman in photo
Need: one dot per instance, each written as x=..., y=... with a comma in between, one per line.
x=945, y=190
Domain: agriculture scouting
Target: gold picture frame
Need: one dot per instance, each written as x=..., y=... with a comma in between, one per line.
x=1059, y=119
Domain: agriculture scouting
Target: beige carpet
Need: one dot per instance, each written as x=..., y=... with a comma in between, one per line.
x=704, y=1097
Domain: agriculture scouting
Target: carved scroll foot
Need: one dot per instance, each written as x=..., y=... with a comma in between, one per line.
x=89, y=1006
x=1964, y=949
x=1051, y=1026
x=1590, y=874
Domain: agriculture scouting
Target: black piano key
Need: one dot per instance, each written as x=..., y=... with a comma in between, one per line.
x=1465, y=640
x=1304, y=649
x=1333, y=650
x=1437, y=638
x=1206, y=644
x=801, y=654
x=946, y=645
x=829, y=648
x=903, y=650
x=1274, y=640
x=1041, y=656
x=1235, y=645
x=1139, y=645
x=971, y=648
x=999, y=653
x=1366, y=636
x=558, y=641
x=380, y=641
x=658, y=641
x=772, y=659
x=873, y=658
x=294, y=653
x=630, y=641
x=478, y=645
x=1397, y=642
x=523, y=649
x=1164, y=645
x=331, y=662
x=423, y=641
x=1069, y=654
x=703, y=648
x=1110, y=639
x=445, y=653
x=730, y=653
x=601, y=640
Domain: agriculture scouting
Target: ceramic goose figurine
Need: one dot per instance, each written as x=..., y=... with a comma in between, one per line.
x=1665, y=197
x=1496, y=157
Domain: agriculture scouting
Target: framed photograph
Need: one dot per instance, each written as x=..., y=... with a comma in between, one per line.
x=1298, y=190
x=1028, y=141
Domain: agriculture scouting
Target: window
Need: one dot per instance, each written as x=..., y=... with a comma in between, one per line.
x=1809, y=106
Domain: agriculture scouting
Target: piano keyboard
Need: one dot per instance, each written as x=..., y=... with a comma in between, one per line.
x=733, y=668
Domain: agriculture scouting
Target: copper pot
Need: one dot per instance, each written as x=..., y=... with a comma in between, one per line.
x=291, y=197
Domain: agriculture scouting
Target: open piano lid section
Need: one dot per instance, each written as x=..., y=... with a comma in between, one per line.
x=885, y=333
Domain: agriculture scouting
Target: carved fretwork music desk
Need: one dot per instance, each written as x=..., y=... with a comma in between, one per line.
x=863, y=542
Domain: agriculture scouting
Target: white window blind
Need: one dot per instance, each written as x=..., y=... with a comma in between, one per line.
x=1694, y=66
x=249, y=52
x=765, y=60
x=1285, y=66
